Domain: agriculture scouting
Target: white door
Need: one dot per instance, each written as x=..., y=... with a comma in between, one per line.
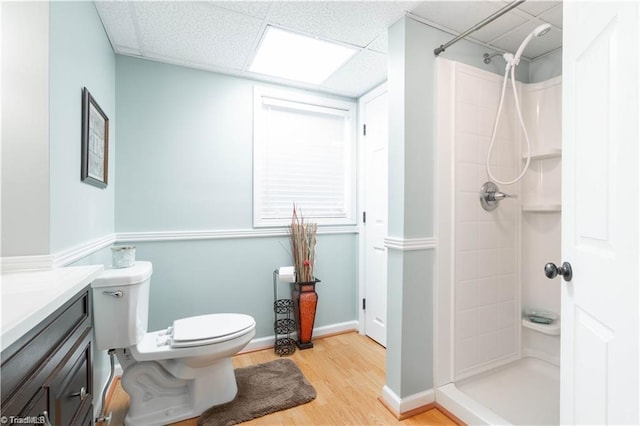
x=599, y=359
x=375, y=106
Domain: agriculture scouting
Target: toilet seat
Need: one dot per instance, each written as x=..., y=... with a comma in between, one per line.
x=209, y=329
x=159, y=345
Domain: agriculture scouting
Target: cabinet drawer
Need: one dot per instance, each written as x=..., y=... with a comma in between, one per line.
x=71, y=386
x=37, y=350
x=34, y=412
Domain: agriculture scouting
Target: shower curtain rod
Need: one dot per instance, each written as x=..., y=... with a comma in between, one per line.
x=479, y=25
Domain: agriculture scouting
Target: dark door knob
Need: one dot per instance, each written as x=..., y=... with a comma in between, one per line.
x=551, y=271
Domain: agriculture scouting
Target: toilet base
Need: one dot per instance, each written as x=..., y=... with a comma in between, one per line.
x=158, y=397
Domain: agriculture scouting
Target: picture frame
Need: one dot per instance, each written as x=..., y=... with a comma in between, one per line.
x=94, y=167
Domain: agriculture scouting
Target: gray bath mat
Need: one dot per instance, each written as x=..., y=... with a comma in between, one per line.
x=262, y=389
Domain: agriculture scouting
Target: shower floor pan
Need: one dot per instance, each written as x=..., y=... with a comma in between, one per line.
x=525, y=392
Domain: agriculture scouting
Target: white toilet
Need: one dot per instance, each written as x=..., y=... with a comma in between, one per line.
x=171, y=374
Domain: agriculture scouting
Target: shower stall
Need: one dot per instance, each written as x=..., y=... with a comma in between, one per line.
x=493, y=363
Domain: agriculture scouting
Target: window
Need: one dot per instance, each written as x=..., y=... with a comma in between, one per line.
x=304, y=153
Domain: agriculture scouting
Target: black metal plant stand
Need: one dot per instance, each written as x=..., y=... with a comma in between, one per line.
x=283, y=324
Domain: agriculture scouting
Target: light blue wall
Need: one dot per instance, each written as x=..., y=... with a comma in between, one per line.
x=81, y=56
x=546, y=67
x=184, y=162
x=236, y=275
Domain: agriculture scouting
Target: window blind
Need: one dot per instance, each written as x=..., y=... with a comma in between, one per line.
x=303, y=154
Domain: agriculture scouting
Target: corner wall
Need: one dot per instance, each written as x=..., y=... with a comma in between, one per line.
x=25, y=129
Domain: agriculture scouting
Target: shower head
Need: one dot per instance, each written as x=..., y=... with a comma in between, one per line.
x=539, y=31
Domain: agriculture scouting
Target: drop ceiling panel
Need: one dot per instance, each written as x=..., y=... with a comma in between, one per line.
x=362, y=73
x=503, y=24
x=380, y=44
x=536, y=8
x=117, y=19
x=553, y=16
x=536, y=47
x=458, y=16
x=257, y=9
x=356, y=23
x=197, y=33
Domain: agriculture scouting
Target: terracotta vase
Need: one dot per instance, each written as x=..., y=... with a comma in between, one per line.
x=305, y=301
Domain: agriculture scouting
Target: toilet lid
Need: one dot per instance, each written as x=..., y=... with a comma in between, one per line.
x=207, y=329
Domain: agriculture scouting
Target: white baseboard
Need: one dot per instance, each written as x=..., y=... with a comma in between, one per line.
x=406, y=404
x=268, y=342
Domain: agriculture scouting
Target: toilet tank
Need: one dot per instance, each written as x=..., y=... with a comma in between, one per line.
x=121, y=306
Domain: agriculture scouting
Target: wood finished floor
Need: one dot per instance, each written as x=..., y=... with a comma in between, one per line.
x=347, y=371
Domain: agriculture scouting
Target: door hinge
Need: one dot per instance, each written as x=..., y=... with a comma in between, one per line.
x=364, y=130
x=364, y=217
x=364, y=304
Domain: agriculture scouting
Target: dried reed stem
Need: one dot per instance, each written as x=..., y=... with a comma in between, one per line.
x=303, y=246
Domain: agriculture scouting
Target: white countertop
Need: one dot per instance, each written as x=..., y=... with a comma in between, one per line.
x=31, y=296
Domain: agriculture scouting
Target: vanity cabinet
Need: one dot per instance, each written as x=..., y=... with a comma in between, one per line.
x=47, y=373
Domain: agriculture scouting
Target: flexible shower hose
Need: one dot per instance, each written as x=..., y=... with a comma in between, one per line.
x=495, y=127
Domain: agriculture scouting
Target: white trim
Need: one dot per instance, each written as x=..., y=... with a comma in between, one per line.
x=26, y=263
x=445, y=214
x=68, y=256
x=56, y=260
x=125, y=237
x=411, y=402
x=409, y=244
x=267, y=342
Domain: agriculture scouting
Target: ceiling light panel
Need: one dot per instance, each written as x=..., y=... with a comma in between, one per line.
x=297, y=57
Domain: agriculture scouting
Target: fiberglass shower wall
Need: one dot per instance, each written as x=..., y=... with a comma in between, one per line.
x=490, y=264
x=483, y=266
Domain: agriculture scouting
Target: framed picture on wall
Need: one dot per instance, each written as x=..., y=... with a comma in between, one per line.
x=95, y=142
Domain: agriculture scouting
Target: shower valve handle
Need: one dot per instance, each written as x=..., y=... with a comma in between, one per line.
x=551, y=271
x=490, y=196
x=497, y=196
